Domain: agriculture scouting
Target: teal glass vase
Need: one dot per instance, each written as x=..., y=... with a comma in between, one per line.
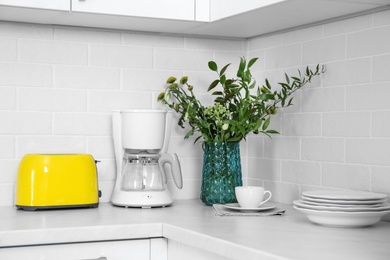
x=221, y=172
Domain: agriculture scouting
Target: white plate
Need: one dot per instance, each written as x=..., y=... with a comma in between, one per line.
x=344, y=195
x=345, y=202
x=236, y=206
x=343, y=219
x=340, y=208
x=342, y=205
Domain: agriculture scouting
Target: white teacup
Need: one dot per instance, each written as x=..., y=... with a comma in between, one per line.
x=251, y=196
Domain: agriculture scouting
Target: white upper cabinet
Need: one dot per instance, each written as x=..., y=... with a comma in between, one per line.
x=63, y=5
x=161, y=9
x=216, y=18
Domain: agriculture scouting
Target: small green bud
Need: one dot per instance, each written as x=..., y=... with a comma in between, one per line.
x=183, y=80
x=161, y=96
x=174, y=85
x=171, y=80
x=264, y=90
x=190, y=87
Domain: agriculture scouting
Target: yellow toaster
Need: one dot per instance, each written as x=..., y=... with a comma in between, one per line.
x=47, y=181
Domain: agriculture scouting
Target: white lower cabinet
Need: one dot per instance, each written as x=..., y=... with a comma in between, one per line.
x=109, y=250
x=180, y=251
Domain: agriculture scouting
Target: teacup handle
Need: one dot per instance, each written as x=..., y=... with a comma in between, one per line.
x=270, y=195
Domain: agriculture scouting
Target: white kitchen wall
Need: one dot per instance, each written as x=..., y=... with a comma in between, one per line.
x=58, y=86
x=337, y=133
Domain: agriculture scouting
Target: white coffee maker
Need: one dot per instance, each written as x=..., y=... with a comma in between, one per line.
x=141, y=140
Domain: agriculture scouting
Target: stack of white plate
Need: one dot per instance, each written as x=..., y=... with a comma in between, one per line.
x=343, y=208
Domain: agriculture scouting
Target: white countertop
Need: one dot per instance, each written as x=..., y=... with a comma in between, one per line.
x=290, y=236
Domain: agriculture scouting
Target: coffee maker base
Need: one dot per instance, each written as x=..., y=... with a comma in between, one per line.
x=142, y=199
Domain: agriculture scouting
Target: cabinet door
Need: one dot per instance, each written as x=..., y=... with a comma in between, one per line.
x=112, y=250
x=63, y=5
x=167, y=9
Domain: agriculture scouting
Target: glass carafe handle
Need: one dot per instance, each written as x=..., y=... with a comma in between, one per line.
x=173, y=160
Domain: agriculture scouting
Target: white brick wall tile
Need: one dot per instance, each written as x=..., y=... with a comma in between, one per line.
x=264, y=169
x=8, y=49
x=185, y=147
x=139, y=39
x=368, y=151
x=107, y=101
x=348, y=25
x=182, y=59
x=346, y=124
x=191, y=168
x=7, y=147
x=49, y=144
x=260, y=63
x=200, y=80
x=121, y=56
x=303, y=35
x=323, y=149
x=44, y=99
x=148, y=80
x=191, y=190
x=87, y=35
x=213, y=44
x=323, y=99
x=380, y=179
x=7, y=194
x=381, y=124
x=82, y=124
x=301, y=172
x=25, y=31
x=106, y=169
x=100, y=147
x=223, y=58
x=273, y=76
x=53, y=52
x=7, y=98
x=19, y=74
x=324, y=50
x=285, y=56
x=302, y=125
x=255, y=146
x=368, y=97
x=282, y=148
x=381, y=18
x=283, y=192
x=265, y=42
x=9, y=170
x=86, y=77
x=380, y=69
x=370, y=42
x=25, y=123
x=355, y=177
x=357, y=71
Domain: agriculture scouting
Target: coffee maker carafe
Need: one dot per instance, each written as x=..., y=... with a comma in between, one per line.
x=140, y=140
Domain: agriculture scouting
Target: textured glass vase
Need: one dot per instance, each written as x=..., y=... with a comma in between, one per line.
x=221, y=172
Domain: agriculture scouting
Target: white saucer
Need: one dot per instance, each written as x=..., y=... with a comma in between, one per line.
x=236, y=206
x=340, y=208
x=344, y=202
x=344, y=195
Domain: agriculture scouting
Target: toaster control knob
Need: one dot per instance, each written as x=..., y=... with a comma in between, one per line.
x=99, y=193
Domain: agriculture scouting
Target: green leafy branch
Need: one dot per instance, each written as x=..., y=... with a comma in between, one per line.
x=240, y=106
